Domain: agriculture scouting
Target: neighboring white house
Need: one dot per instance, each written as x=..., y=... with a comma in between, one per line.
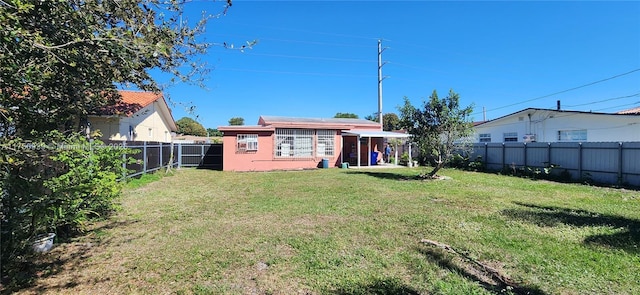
x=139, y=116
x=548, y=125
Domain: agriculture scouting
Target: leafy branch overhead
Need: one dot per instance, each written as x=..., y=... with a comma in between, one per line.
x=73, y=52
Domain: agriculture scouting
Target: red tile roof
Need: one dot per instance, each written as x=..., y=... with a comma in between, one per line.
x=132, y=101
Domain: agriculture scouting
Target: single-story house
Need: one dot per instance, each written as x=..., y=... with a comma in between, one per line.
x=285, y=143
x=139, y=116
x=549, y=125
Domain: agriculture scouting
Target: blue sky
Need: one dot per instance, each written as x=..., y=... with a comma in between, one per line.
x=314, y=59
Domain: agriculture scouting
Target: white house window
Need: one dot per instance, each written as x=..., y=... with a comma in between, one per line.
x=150, y=132
x=293, y=143
x=572, y=135
x=485, y=137
x=325, y=145
x=247, y=142
x=510, y=136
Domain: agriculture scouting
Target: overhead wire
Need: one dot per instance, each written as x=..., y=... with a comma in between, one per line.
x=604, y=100
x=563, y=91
x=294, y=73
x=312, y=57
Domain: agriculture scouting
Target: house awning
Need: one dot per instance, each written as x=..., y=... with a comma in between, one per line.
x=375, y=133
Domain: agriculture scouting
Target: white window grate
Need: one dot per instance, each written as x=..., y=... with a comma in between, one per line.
x=326, y=143
x=511, y=137
x=485, y=137
x=572, y=135
x=293, y=143
x=247, y=142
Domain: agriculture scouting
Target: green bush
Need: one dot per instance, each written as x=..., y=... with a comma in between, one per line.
x=53, y=183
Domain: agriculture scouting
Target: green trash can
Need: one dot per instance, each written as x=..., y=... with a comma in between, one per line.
x=344, y=165
x=325, y=163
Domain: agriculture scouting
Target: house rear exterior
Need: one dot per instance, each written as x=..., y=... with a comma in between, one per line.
x=286, y=143
x=548, y=125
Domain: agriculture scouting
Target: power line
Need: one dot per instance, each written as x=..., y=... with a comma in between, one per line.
x=311, y=57
x=604, y=100
x=309, y=32
x=294, y=73
x=297, y=41
x=563, y=91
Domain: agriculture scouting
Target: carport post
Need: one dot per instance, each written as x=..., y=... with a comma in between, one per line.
x=395, y=147
x=369, y=151
x=359, y=148
x=341, y=150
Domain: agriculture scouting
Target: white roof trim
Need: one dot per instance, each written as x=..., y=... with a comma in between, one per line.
x=372, y=133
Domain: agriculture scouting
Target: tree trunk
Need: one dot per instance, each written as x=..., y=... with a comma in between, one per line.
x=439, y=165
x=435, y=169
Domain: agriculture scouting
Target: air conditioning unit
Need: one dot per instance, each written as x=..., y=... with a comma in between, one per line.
x=529, y=138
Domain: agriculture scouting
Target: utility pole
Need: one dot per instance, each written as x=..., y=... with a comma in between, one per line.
x=380, y=78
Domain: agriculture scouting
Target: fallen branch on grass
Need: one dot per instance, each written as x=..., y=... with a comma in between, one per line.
x=494, y=273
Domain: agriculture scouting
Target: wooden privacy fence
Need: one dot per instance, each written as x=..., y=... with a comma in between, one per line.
x=603, y=162
x=154, y=156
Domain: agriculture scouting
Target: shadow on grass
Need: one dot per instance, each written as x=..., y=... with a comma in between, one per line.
x=379, y=287
x=445, y=261
x=386, y=175
x=628, y=239
x=25, y=273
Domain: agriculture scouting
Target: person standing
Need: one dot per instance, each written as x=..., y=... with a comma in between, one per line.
x=387, y=153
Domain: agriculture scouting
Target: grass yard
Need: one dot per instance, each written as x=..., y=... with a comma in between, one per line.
x=353, y=231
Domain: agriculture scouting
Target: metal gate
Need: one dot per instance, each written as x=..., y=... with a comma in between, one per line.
x=203, y=156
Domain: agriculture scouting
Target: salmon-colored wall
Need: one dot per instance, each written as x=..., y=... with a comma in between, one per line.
x=263, y=159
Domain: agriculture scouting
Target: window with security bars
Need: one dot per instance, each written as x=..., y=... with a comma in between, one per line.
x=293, y=143
x=511, y=137
x=325, y=145
x=247, y=142
x=485, y=137
x=572, y=135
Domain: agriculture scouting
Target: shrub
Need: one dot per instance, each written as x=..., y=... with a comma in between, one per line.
x=55, y=184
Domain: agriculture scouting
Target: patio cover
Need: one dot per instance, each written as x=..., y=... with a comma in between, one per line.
x=369, y=134
x=375, y=133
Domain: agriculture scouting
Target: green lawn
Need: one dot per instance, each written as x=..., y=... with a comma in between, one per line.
x=353, y=231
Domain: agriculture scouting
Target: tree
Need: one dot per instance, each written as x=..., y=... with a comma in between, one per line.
x=373, y=117
x=188, y=126
x=390, y=121
x=236, y=121
x=214, y=132
x=437, y=127
x=346, y=115
x=60, y=61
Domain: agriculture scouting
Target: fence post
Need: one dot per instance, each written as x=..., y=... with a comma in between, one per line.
x=179, y=155
x=620, y=163
x=525, y=154
x=201, y=153
x=549, y=154
x=161, y=164
x=124, y=160
x=144, y=157
x=486, y=154
x=503, y=159
x=580, y=160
